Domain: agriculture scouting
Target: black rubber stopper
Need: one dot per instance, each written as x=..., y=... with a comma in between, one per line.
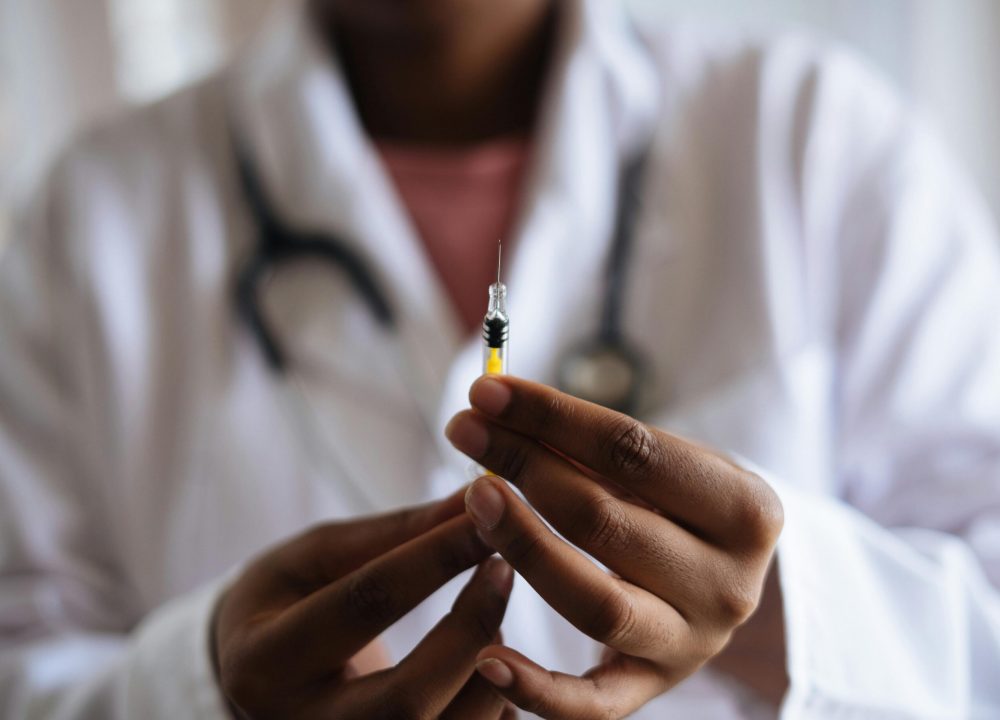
x=495, y=332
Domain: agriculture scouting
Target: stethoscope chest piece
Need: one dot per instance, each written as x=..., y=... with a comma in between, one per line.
x=606, y=372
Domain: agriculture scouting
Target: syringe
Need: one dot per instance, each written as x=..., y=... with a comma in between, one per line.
x=496, y=326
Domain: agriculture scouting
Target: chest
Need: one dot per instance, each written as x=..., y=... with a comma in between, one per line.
x=235, y=458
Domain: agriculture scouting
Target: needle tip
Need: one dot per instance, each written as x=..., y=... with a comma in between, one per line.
x=499, y=257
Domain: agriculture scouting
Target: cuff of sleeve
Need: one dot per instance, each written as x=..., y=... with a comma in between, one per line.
x=846, y=651
x=170, y=668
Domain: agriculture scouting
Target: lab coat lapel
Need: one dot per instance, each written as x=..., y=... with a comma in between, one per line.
x=326, y=175
x=295, y=113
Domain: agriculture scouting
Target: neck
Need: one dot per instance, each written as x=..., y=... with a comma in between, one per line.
x=472, y=76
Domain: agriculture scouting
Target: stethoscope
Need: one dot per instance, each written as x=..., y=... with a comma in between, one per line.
x=606, y=369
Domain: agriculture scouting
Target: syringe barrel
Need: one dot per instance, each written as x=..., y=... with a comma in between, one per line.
x=495, y=360
x=496, y=330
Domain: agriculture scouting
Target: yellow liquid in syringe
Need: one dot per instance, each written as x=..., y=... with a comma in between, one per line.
x=494, y=362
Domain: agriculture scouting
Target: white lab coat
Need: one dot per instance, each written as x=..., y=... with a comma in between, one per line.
x=816, y=286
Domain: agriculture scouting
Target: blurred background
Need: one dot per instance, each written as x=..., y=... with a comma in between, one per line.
x=65, y=63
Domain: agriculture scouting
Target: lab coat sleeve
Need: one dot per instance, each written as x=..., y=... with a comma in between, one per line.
x=890, y=591
x=73, y=641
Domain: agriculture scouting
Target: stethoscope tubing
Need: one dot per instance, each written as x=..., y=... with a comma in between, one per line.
x=279, y=244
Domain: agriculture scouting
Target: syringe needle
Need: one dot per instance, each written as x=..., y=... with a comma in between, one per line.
x=499, y=257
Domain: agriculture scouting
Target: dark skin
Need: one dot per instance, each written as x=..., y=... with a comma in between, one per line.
x=296, y=636
x=688, y=537
x=442, y=72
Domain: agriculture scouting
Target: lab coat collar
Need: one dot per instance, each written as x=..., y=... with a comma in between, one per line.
x=296, y=114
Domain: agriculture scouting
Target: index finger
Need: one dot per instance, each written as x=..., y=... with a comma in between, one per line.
x=320, y=633
x=694, y=486
x=328, y=551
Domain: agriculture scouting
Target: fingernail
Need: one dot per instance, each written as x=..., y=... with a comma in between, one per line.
x=496, y=672
x=468, y=435
x=500, y=575
x=485, y=503
x=490, y=395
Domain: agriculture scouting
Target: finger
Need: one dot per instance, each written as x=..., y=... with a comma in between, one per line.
x=611, y=611
x=320, y=633
x=639, y=545
x=327, y=552
x=610, y=690
x=698, y=487
x=449, y=650
x=428, y=680
x=478, y=699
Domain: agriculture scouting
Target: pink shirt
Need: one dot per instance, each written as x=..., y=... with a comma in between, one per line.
x=461, y=201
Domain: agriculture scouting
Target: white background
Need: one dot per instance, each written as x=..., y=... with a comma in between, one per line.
x=64, y=63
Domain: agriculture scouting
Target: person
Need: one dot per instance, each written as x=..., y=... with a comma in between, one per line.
x=185, y=532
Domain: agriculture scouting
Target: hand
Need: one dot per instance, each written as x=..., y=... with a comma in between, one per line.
x=688, y=534
x=296, y=635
